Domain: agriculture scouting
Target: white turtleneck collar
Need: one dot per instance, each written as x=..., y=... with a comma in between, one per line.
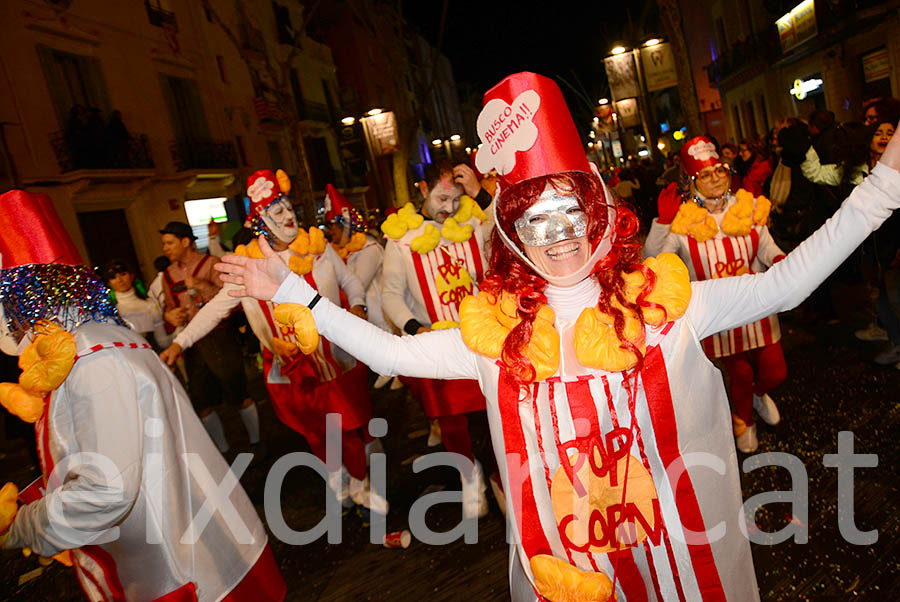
x=568, y=302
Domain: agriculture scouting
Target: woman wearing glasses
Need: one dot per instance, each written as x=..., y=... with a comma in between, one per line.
x=719, y=234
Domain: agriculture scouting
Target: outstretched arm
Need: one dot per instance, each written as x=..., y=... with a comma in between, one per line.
x=726, y=303
x=441, y=354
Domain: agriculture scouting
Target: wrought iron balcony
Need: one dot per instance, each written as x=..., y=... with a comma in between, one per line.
x=203, y=154
x=100, y=152
x=313, y=111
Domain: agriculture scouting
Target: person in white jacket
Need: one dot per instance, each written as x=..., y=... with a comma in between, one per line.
x=128, y=470
x=610, y=425
x=303, y=388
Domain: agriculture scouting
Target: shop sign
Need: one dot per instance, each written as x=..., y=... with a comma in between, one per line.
x=383, y=130
x=876, y=65
x=803, y=87
x=622, y=75
x=797, y=26
x=628, y=112
x=659, y=67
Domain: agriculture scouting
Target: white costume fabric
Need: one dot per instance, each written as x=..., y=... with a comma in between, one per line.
x=679, y=405
x=428, y=288
x=331, y=275
x=367, y=264
x=724, y=256
x=123, y=407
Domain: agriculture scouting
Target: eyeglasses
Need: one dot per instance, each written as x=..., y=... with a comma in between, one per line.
x=720, y=171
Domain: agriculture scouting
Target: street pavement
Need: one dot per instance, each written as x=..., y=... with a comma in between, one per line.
x=832, y=386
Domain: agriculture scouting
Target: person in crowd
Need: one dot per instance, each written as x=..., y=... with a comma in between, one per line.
x=754, y=167
x=672, y=172
x=140, y=312
x=878, y=110
x=214, y=363
x=592, y=364
x=860, y=147
x=719, y=234
x=432, y=261
x=466, y=177
x=121, y=451
x=304, y=388
x=627, y=184
x=363, y=254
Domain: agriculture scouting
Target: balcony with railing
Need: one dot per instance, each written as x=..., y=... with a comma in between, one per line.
x=87, y=152
x=755, y=51
x=203, y=154
x=313, y=111
x=159, y=16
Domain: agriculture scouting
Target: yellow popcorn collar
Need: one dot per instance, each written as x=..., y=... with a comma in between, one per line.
x=305, y=248
x=454, y=229
x=485, y=322
x=746, y=212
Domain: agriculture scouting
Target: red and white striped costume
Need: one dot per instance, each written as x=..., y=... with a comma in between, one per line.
x=304, y=391
x=724, y=256
x=429, y=288
x=691, y=544
x=135, y=465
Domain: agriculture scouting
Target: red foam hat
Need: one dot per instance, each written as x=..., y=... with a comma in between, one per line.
x=338, y=208
x=31, y=231
x=698, y=153
x=527, y=131
x=262, y=188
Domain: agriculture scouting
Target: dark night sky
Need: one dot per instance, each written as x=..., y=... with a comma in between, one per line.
x=564, y=40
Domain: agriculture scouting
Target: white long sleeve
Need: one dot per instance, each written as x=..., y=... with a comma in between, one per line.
x=726, y=303
x=394, y=287
x=366, y=262
x=659, y=240
x=768, y=250
x=347, y=280
x=210, y=315
x=440, y=354
x=829, y=174
x=101, y=390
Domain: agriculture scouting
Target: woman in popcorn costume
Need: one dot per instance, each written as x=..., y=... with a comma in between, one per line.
x=307, y=377
x=609, y=423
x=721, y=234
x=126, y=463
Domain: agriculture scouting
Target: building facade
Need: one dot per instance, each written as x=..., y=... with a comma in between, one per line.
x=813, y=54
x=125, y=112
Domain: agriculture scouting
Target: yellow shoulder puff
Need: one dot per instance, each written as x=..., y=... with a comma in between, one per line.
x=695, y=221
x=253, y=249
x=761, y=212
x=298, y=319
x=316, y=241
x=300, y=244
x=427, y=241
x=468, y=208
x=597, y=344
x=485, y=324
x=8, y=505
x=301, y=264
x=672, y=289
x=558, y=581
x=454, y=232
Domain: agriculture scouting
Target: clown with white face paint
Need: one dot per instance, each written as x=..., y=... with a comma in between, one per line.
x=599, y=396
x=341, y=381
x=114, y=428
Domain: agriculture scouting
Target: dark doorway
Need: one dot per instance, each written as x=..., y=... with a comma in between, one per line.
x=106, y=236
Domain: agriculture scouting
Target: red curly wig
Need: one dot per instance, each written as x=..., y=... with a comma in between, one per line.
x=508, y=273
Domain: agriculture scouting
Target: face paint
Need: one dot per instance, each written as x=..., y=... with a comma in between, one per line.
x=280, y=220
x=553, y=218
x=443, y=199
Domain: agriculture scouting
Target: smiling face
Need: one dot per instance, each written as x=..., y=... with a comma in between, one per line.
x=553, y=232
x=881, y=138
x=442, y=201
x=280, y=220
x=713, y=181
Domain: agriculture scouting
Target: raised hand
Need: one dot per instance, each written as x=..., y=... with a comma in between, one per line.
x=259, y=278
x=668, y=203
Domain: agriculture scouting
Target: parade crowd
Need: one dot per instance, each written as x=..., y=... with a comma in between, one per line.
x=578, y=307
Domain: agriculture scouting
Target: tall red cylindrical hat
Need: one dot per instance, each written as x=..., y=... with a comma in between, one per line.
x=527, y=131
x=698, y=153
x=262, y=188
x=31, y=231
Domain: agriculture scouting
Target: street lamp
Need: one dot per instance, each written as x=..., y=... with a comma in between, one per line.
x=374, y=112
x=603, y=101
x=348, y=120
x=437, y=142
x=617, y=50
x=652, y=42
x=455, y=137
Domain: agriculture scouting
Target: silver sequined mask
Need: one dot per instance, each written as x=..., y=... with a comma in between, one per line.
x=552, y=219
